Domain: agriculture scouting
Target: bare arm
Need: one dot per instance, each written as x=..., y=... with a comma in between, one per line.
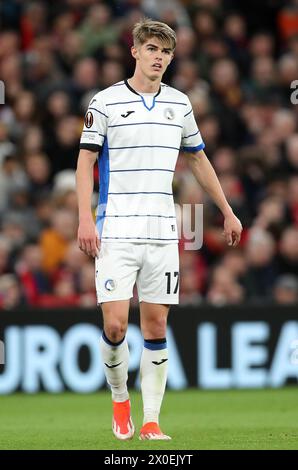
x=88, y=239
x=206, y=177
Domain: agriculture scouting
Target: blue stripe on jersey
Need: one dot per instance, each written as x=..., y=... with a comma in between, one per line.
x=142, y=192
x=104, y=172
x=191, y=135
x=188, y=113
x=144, y=215
x=171, y=102
x=98, y=111
x=141, y=123
x=124, y=102
x=138, y=238
x=142, y=169
x=144, y=146
x=194, y=149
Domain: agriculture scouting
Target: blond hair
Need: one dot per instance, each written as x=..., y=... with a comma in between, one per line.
x=147, y=28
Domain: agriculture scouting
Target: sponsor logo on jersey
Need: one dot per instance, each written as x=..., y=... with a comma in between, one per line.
x=127, y=114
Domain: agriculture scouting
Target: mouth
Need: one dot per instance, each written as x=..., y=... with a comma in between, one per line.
x=157, y=66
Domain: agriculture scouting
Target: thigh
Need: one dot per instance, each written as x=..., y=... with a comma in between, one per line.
x=115, y=272
x=115, y=313
x=158, y=278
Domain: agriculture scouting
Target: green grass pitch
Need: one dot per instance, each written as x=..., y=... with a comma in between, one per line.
x=235, y=419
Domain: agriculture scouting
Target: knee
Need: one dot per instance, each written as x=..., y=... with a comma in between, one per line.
x=115, y=331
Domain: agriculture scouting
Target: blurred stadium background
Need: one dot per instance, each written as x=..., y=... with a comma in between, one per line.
x=237, y=323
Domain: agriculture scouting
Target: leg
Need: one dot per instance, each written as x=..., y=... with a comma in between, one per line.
x=115, y=356
x=115, y=274
x=154, y=364
x=158, y=287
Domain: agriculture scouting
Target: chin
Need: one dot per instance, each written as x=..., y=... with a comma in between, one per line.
x=155, y=75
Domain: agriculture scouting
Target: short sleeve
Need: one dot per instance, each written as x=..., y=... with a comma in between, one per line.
x=95, y=125
x=191, y=136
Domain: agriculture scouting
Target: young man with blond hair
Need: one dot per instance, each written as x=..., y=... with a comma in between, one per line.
x=136, y=129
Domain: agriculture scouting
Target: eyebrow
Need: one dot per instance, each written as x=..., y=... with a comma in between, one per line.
x=155, y=47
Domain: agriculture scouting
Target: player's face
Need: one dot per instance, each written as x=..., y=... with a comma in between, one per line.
x=153, y=58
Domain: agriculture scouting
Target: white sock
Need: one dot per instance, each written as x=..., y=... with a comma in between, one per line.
x=153, y=375
x=115, y=354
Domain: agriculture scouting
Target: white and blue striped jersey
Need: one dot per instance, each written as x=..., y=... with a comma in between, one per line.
x=138, y=137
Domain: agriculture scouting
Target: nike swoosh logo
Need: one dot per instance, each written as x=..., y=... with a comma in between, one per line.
x=127, y=114
x=112, y=366
x=93, y=101
x=158, y=363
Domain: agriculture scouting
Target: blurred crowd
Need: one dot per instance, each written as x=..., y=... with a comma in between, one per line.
x=235, y=60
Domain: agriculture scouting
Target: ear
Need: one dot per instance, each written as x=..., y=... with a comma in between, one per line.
x=134, y=52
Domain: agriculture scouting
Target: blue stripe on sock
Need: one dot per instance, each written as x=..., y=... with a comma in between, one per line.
x=106, y=340
x=155, y=346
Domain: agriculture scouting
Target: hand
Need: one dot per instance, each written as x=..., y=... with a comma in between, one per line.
x=88, y=238
x=232, y=229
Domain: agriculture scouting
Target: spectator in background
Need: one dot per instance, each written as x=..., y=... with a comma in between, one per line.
x=286, y=289
x=98, y=29
x=63, y=147
x=5, y=249
x=292, y=153
x=226, y=97
x=13, y=228
x=70, y=51
x=29, y=270
x=192, y=278
x=71, y=266
x=168, y=11
x=38, y=169
x=271, y=216
x=57, y=106
x=55, y=240
x=224, y=289
x=32, y=141
x=292, y=199
x=262, y=269
x=235, y=263
x=287, y=73
x=288, y=251
x=6, y=146
x=85, y=78
x=12, y=177
x=10, y=293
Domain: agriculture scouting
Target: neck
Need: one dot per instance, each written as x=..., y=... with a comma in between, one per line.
x=143, y=84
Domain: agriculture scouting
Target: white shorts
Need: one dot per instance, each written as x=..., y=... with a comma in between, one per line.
x=153, y=267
